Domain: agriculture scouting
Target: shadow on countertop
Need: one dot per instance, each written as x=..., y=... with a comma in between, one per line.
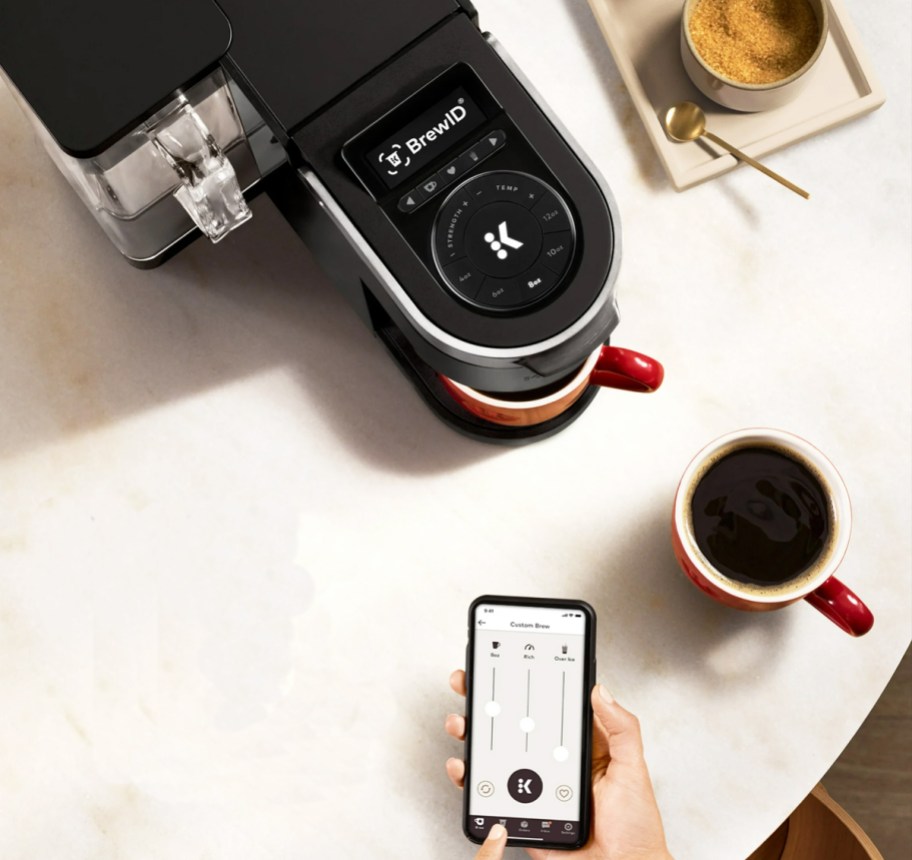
x=90, y=341
x=599, y=54
x=689, y=636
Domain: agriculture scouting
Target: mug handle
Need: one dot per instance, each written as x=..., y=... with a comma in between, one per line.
x=623, y=368
x=842, y=606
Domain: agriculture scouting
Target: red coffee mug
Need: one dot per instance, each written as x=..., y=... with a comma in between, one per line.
x=816, y=585
x=608, y=366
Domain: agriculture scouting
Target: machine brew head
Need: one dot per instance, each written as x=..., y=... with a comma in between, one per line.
x=435, y=187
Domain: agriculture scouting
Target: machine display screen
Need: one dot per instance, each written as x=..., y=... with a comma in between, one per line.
x=414, y=146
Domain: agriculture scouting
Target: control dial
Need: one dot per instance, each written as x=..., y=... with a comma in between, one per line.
x=503, y=241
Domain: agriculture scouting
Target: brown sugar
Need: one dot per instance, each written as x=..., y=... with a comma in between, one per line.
x=754, y=41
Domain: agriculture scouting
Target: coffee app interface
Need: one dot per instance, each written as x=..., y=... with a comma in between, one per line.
x=527, y=722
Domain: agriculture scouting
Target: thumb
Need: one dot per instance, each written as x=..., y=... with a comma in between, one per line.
x=494, y=845
x=620, y=728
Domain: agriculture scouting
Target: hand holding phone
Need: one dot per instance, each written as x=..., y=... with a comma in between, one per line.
x=625, y=819
x=531, y=664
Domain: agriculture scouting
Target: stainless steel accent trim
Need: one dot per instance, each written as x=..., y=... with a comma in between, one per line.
x=578, y=151
x=457, y=348
x=437, y=336
x=548, y=111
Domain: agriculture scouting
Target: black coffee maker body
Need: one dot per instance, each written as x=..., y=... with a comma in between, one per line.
x=400, y=142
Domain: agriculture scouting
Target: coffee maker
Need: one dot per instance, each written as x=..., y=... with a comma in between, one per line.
x=401, y=143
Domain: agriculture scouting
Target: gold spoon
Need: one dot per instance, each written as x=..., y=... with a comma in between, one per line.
x=686, y=121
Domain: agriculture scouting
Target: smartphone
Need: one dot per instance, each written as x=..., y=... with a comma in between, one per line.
x=530, y=667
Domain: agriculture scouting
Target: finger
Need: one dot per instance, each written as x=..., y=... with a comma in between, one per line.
x=494, y=845
x=458, y=682
x=455, y=727
x=455, y=768
x=621, y=728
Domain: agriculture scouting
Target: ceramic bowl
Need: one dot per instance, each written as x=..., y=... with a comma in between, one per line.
x=736, y=94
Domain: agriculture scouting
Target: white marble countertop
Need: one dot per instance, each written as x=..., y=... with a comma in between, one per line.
x=236, y=551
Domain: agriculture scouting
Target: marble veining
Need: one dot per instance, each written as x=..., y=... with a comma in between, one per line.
x=236, y=551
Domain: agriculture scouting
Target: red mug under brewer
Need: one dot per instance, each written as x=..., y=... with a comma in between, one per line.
x=608, y=367
x=762, y=520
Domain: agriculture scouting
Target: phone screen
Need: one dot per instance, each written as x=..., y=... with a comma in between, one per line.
x=530, y=726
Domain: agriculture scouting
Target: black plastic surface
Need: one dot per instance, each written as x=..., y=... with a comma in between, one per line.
x=428, y=384
x=503, y=241
x=441, y=121
x=533, y=146
x=297, y=56
x=93, y=70
x=432, y=107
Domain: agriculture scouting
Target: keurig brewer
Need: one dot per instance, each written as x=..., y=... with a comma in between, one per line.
x=402, y=145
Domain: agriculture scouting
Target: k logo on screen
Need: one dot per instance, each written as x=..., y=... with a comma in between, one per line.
x=525, y=786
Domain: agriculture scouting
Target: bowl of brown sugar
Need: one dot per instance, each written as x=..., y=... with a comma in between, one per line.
x=752, y=55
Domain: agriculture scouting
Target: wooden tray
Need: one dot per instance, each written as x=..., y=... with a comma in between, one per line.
x=644, y=37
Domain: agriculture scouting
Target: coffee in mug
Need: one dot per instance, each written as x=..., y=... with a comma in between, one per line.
x=761, y=520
